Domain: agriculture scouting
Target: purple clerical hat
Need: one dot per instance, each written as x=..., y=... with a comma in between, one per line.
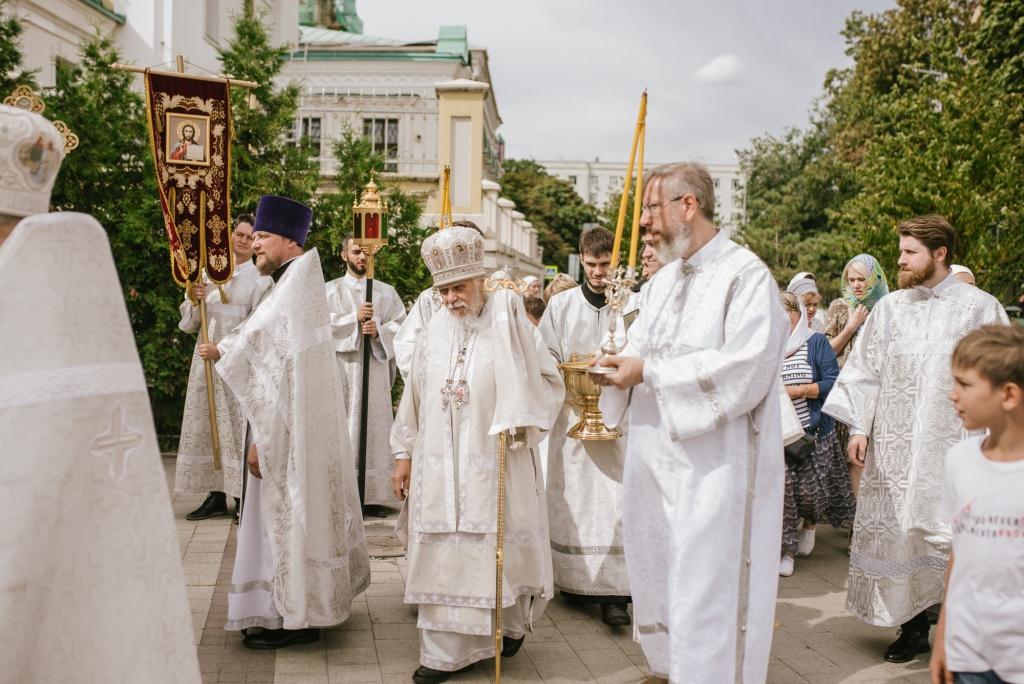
x=284, y=217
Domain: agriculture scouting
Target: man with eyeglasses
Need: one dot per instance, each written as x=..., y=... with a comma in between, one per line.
x=226, y=307
x=703, y=482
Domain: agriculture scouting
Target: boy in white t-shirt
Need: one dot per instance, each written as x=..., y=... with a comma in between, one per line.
x=980, y=636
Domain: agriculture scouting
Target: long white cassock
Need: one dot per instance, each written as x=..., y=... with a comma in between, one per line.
x=193, y=472
x=584, y=479
x=415, y=324
x=301, y=555
x=703, y=485
x=344, y=297
x=91, y=584
x=894, y=387
x=449, y=519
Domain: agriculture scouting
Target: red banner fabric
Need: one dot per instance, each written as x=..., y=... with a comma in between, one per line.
x=190, y=132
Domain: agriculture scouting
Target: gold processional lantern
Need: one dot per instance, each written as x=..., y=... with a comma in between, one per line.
x=370, y=223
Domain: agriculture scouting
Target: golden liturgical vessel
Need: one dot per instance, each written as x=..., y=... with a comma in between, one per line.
x=585, y=395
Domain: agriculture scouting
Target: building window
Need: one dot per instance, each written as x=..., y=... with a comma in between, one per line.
x=735, y=183
x=383, y=137
x=572, y=179
x=213, y=20
x=716, y=183
x=310, y=128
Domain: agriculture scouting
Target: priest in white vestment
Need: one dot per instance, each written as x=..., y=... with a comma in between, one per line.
x=703, y=485
x=584, y=478
x=193, y=471
x=91, y=583
x=351, y=319
x=892, y=392
x=301, y=555
x=479, y=369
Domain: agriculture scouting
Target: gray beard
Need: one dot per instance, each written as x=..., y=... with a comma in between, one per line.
x=673, y=248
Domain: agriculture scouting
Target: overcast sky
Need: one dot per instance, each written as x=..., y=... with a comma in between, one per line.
x=568, y=74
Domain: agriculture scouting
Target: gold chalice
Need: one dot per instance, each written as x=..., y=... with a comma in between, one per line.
x=585, y=395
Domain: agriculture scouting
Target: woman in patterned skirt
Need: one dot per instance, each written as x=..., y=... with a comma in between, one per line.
x=817, y=488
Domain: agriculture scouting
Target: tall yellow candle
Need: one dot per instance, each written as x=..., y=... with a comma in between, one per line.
x=620, y=223
x=638, y=199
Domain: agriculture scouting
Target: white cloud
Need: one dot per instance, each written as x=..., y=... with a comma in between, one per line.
x=720, y=70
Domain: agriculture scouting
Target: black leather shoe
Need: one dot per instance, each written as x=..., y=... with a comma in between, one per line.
x=910, y=643
x=270, y=639
x=426, y=675
x=215, y=504
x=615, y=614
x=510, y=646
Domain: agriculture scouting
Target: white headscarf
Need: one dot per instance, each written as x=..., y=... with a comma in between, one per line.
x=957, y=268
x=530, y=279
x=801, y=286
x=801, y=332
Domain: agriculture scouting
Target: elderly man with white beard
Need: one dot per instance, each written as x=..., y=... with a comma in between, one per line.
x=478, y=370
x=703, y=483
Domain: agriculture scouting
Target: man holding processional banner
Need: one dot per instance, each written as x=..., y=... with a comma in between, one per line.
x=194, y=471
x=194, y=188
x=478, y=371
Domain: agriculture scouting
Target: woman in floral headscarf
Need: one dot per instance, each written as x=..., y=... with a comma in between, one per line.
x=864, y=284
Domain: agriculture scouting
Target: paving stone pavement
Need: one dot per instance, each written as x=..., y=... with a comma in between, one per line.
x=816, y=640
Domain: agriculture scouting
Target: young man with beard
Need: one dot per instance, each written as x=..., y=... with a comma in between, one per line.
x=354, y=322
x=703, y=482
x=301, y=555
x=584, y=485
x=193, y=470
x=479, y=369
x=892, y=392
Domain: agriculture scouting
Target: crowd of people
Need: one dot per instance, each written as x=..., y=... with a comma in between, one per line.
x=748, y=417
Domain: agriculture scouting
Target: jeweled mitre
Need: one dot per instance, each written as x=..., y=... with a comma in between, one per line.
x=454, y=254
x=31, y=151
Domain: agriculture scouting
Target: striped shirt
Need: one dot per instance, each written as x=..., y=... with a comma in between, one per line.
x=796, y=370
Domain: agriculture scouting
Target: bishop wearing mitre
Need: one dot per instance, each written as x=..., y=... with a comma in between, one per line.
x=478, y=370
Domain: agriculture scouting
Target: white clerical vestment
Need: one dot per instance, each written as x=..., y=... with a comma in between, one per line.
x=894, y=387
x=91, y=584
x=703, y=485
x=415, y=324
x=507, y=382
x=584, y=478
x=301, y=555
x=193, y=472
x=344, y=297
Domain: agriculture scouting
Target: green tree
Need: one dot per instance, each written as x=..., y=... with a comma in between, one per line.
x=11, y=72
x=927, y=119
x=263, y=161
x=398, y=264
x=551, y=204
x=110, y=176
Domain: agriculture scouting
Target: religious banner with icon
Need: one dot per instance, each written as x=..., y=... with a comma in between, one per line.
x=190, y=132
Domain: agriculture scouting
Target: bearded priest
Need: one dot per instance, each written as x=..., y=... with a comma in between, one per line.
x=355, y=322
x=893, y=393
x=301, y=555
x=480, y=369
x=703, y=484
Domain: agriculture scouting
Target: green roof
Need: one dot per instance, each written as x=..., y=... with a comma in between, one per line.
x=318, y=43
x=101, y=7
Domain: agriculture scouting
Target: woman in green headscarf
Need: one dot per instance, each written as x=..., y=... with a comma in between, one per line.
x=864, y=284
